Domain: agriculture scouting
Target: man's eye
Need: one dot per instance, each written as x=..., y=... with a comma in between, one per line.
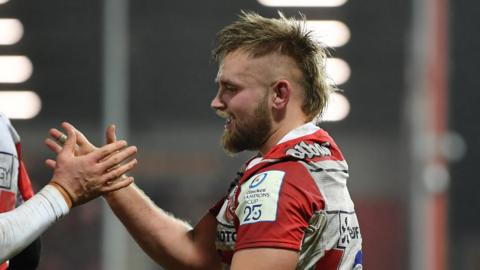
x=229, y=88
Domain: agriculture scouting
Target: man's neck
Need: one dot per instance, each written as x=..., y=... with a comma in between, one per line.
x=276, y=135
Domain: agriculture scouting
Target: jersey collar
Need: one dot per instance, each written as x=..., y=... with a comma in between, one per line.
x=303, y=130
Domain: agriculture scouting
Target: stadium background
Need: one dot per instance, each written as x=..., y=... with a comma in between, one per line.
x=406, y=221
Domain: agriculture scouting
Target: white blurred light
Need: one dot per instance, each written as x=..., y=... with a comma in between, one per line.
x=15, y=69
x=11, y=31
x=338, y=107
x=20, y=104
x=3, y=1
x=302, y=3
x=337, y=70
x=436, y=178
x=452, y=146
x=332, y=33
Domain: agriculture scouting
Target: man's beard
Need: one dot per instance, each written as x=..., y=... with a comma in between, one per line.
x=250, y=133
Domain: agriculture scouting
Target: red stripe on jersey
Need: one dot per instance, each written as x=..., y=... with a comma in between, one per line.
x=24, y=183
x=7, y=201
x=331, y=260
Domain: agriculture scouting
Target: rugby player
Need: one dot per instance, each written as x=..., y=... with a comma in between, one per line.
x=289, y=207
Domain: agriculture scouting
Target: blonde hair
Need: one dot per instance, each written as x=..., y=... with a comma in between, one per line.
x=260, y=36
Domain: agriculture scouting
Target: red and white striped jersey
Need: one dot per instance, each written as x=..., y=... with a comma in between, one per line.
x=295, y=197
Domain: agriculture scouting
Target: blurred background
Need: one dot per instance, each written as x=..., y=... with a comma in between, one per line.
x=405, y=118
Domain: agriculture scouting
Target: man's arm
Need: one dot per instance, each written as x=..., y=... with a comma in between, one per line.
x=171, y=242
x=168, y=240
x=21, y=226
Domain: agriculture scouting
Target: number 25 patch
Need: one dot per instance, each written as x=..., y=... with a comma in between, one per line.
x=258, y=198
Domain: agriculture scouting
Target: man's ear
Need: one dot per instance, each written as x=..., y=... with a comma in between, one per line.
x=282, y=89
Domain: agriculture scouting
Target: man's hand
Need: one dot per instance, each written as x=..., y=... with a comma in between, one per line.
x=83, y=147
x=92, y=174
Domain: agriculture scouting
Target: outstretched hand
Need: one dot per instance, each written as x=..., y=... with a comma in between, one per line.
x=85, y=171
x=83, y=145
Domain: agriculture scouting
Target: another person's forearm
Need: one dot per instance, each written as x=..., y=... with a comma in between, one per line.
x=166, y=239
x=18, y=228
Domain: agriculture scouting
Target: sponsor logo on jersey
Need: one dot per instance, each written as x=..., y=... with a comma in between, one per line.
x=310, y=150
x=226, y=237
x=8, y=170
x=349, y=229
x=258, y=198
x=226, y=233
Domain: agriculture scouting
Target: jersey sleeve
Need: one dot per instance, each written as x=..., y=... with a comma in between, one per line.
x=275, y=206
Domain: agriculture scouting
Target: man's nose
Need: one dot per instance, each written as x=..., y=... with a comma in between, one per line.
x=217, y=103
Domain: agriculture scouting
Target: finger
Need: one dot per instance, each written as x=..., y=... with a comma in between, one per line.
x=119, y=184
x=59, y=136
x=51, y=163
x=53, y=145
x=55, y=133
x=70, y=143
x=81, y=139
x=110, y=134
x=119, y=171
x=111, y=182
x=115, y=159
x=108, y=149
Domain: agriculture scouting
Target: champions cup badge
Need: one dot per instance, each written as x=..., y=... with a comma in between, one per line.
x=258, y=180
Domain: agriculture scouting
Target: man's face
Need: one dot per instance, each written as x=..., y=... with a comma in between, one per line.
x=243, y=100
x=249, y=133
